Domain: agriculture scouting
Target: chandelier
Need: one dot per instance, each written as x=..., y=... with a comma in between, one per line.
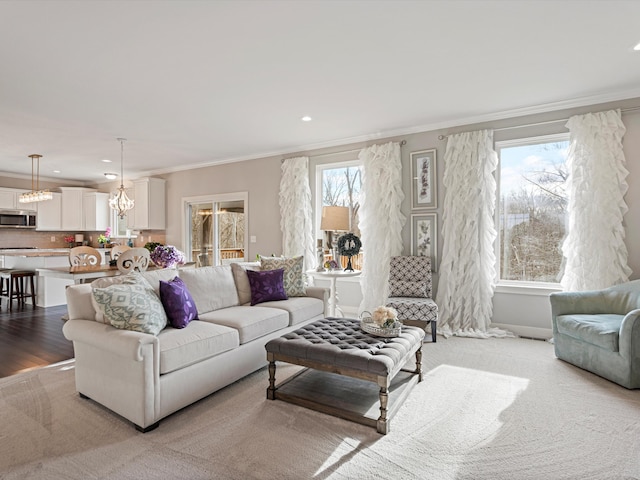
x=120, y=202
x=35, y=195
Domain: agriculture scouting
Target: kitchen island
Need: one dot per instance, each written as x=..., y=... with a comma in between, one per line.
x=49, y=290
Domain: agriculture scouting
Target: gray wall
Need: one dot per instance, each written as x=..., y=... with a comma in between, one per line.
x=525, y=311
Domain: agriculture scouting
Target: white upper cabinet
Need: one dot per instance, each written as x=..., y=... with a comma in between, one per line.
x=50, y=213
x=95, y=210
x=72, y=207
x=9, y=200
x=149, y=211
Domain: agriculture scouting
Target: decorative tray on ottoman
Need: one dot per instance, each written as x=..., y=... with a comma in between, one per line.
x=367, y=325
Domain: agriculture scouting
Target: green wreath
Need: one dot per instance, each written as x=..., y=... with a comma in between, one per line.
x=349, y=245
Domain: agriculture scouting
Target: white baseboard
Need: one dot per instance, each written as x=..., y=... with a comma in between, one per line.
x=524, y=331
x=519, y=330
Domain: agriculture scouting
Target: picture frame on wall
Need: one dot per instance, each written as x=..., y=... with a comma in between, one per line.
x=424, y=191
x=424, y=237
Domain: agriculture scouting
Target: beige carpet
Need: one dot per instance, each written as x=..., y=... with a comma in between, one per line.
x=487, y=409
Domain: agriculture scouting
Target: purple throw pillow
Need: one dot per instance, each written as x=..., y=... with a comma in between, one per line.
x=266, y=285
x=177, y=302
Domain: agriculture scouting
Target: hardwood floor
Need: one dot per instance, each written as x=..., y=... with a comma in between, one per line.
x=32, y=338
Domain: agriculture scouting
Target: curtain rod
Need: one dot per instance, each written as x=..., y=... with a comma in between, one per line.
x=623, y=110
x=402, y=144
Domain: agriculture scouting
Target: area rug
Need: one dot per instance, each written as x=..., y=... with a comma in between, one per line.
x=487, y=409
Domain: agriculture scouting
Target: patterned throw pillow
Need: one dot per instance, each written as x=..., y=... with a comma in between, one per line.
x=130, y=278
x=177, y=302
x=131, y=307
x=266, y=286
x=399, y=288
x=293, y=277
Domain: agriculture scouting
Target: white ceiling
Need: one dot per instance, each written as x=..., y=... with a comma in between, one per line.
x=204, y=82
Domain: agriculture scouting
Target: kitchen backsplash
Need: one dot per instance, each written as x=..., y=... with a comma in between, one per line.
x=10, y=238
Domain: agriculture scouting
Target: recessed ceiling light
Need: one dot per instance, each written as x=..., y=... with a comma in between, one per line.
x=306, y=118
x=56, y=171
x=111, y=176
x=637, y=47
x=106, y=160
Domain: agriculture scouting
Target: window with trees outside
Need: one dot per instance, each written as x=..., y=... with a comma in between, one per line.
x=340, y=185
x=532, y=208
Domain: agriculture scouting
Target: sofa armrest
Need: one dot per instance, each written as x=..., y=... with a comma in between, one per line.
x=321, y=293
x=125, y=343
x=629, y=336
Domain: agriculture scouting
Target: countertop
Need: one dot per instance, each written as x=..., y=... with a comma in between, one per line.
x=36, y=252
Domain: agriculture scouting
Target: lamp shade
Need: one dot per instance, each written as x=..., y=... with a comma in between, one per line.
x=335, y=219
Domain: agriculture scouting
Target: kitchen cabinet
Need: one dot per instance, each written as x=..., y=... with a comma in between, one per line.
x=9, y=200
x=149, y=208
x=95, y=211
x=49, y=216
x=72, y=207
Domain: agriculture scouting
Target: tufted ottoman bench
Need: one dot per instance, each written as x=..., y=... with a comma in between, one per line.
x=336, y=351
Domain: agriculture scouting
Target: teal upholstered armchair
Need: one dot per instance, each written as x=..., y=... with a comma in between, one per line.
x=599, y=331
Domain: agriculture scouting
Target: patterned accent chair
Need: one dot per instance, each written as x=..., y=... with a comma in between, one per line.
x=410, y=292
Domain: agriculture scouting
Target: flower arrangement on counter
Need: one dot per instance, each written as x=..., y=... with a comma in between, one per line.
x=70, y=239
x=167, y=256
x=106, y=237
x=384, y=317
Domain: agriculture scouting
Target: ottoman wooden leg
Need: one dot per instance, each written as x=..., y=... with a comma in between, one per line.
x=382, y=425
x=419, y=363
x=271, y=391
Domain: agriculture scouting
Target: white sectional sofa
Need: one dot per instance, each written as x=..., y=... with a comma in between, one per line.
x=145, y=377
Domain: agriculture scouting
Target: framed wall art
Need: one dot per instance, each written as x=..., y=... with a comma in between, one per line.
x=424, y=237
x=424, y=178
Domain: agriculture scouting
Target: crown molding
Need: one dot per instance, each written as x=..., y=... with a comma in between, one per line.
x=57, y=180
x=384, y=134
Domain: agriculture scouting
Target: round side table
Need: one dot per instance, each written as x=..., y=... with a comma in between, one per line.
x=333, y=276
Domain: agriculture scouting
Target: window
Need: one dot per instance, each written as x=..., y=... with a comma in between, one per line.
x=532, y=208
x=339, y=185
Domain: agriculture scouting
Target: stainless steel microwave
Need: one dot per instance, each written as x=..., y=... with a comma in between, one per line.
x=17, y=219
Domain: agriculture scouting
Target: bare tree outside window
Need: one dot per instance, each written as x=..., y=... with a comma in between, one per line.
x=341, y=187
x=533, y=207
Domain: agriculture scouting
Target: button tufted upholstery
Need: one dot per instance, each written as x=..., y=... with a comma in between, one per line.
x=341, y=342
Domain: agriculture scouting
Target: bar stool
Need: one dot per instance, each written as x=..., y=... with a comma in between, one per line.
x=13, y=286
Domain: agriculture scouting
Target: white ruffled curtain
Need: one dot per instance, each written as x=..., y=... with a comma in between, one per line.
x=381, y=220
x=467, y=269
x=596, y=256
x=296, y=219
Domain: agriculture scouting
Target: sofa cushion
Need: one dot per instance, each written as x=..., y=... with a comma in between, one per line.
x=250, y=322
x=299, y=308
x=212, y=288
x=601, y=329
x=180, y=348
x=266, y=286
x=80, y=302
x=154, y=277
x=293, y=273
x=131, y=307
x=239, y=270
x=177, y=302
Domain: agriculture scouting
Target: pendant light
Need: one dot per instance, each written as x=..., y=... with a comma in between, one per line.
x=35, y=195
x=120, y=202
